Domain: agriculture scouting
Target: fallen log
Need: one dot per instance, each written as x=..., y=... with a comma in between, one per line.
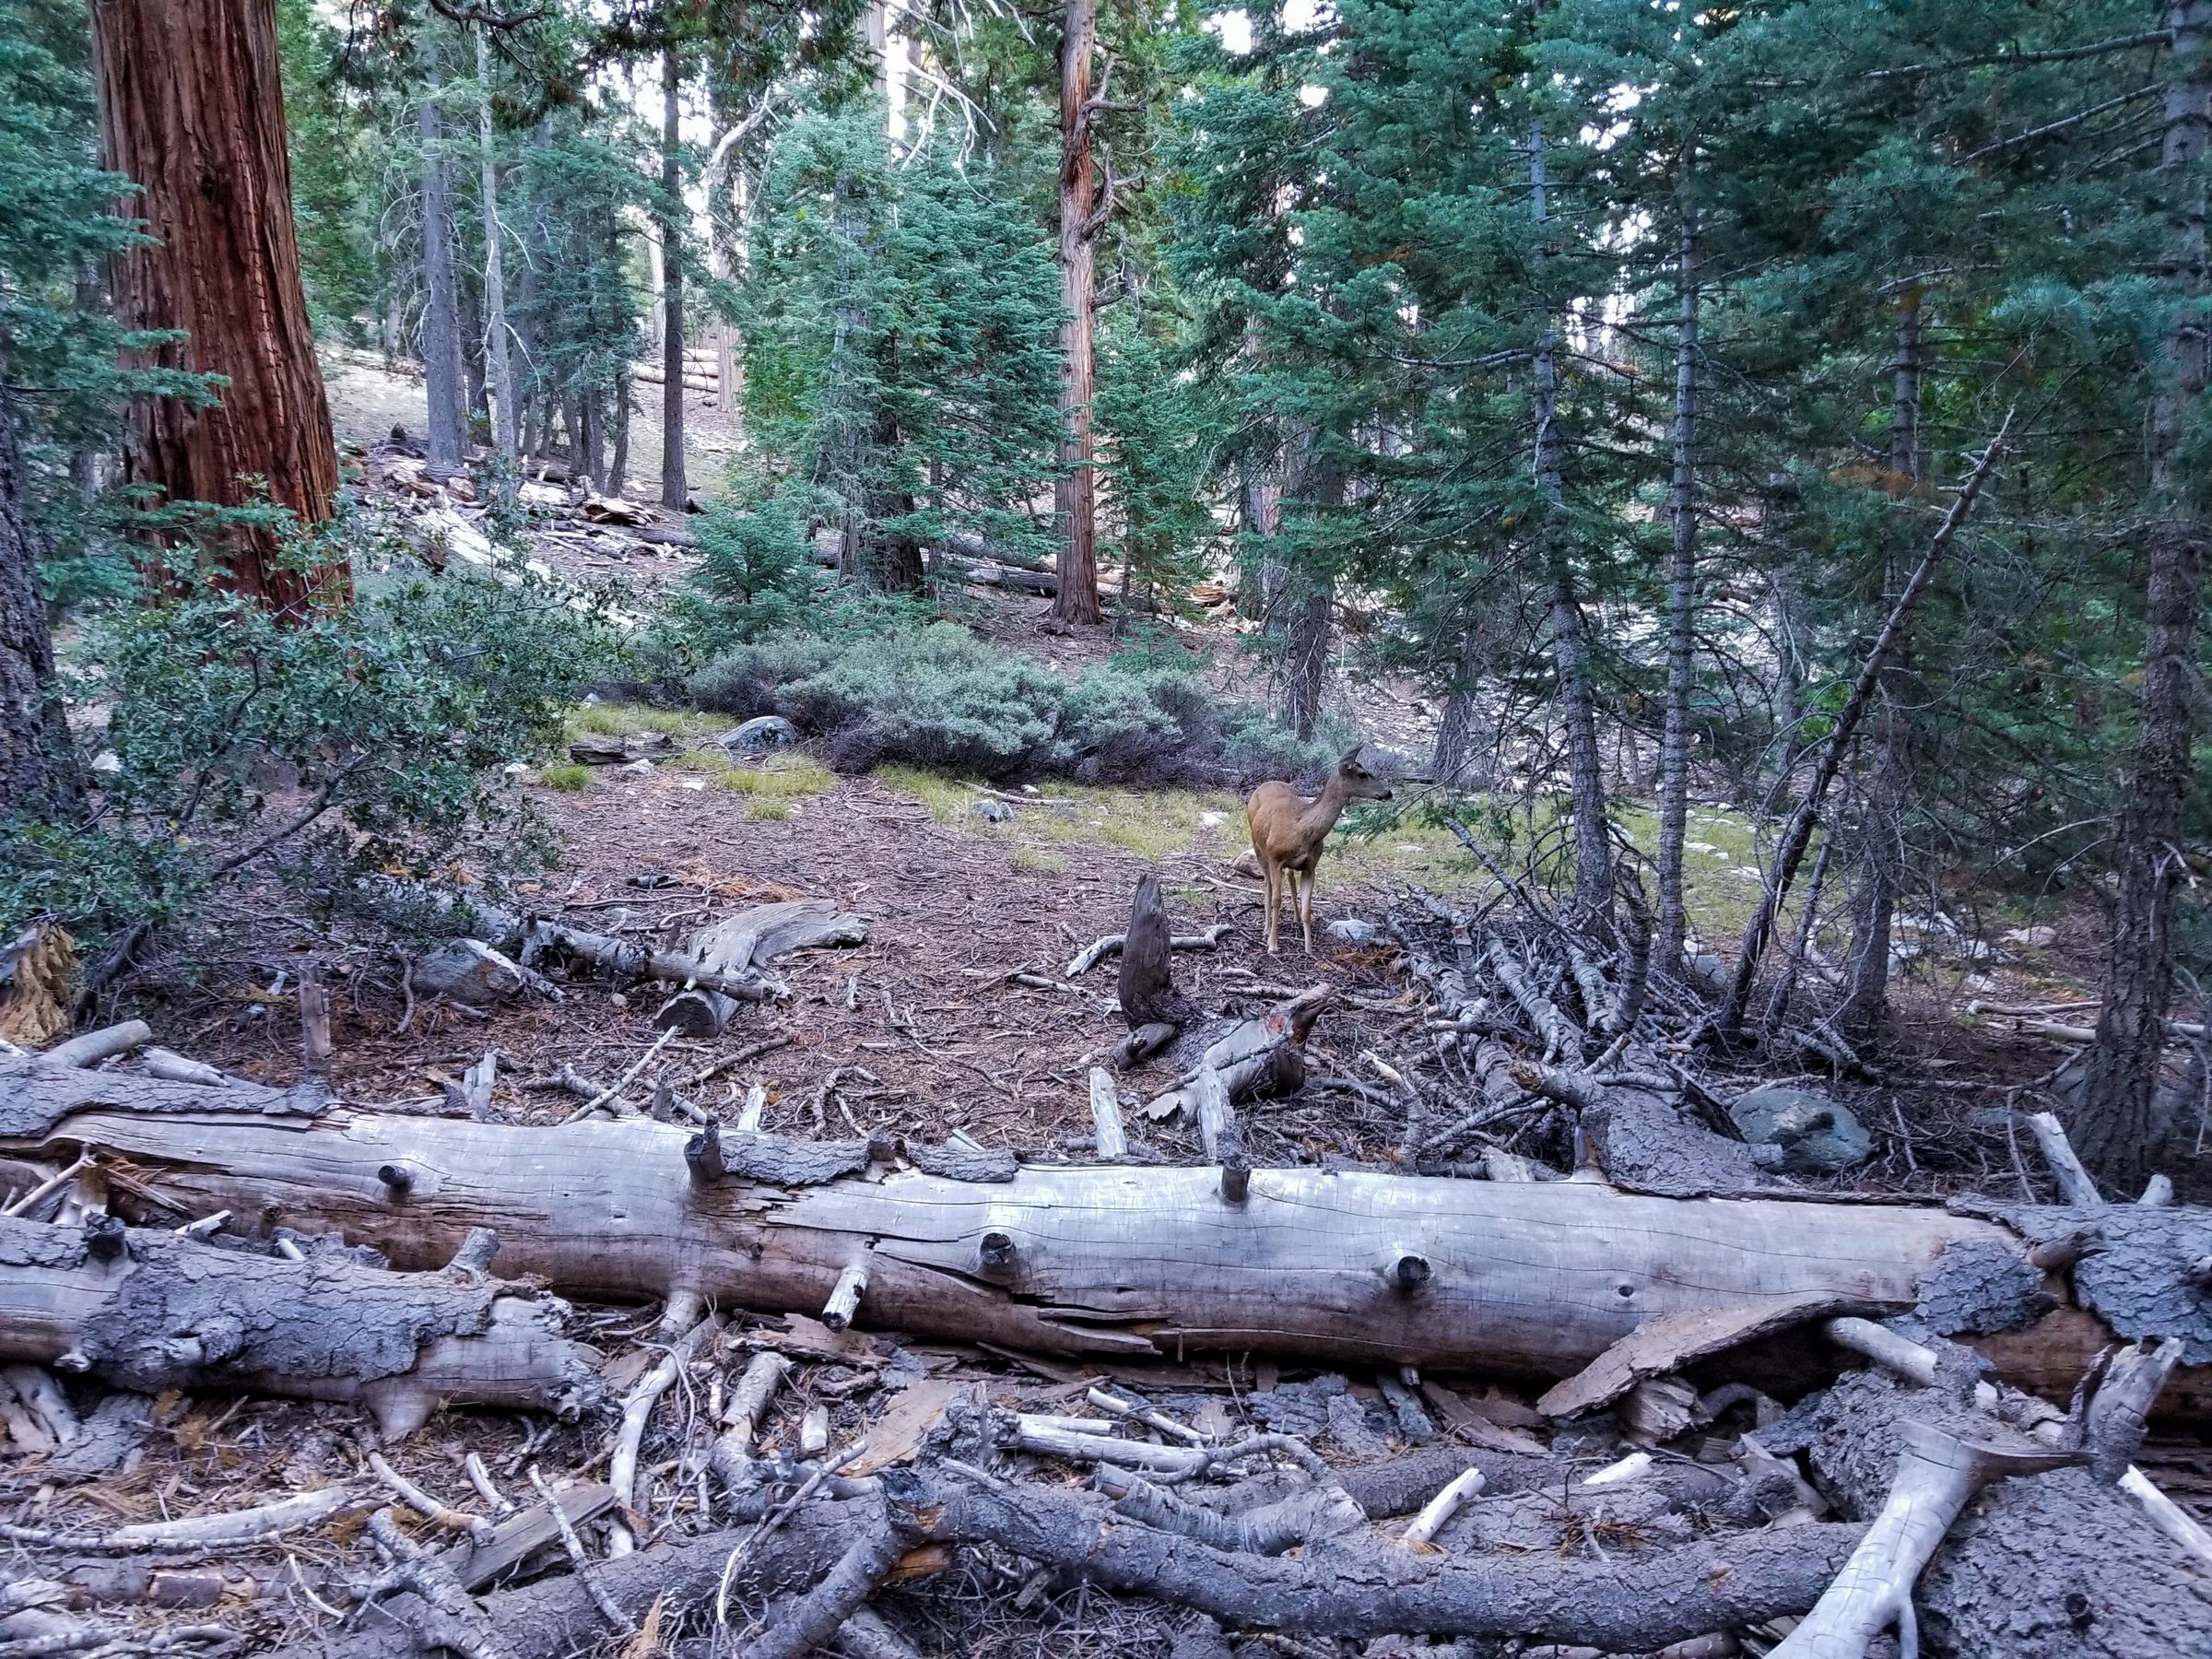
x=734, y=948
x=1535, y=1279
x=150, y=1310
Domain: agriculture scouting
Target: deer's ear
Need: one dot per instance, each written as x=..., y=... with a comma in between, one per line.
x=1351, y=755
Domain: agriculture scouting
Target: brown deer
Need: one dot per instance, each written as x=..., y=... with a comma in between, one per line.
x=1288, y=830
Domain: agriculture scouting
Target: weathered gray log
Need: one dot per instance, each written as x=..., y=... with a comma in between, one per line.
x=738, y=945
x=2060, y=1566
x=1534, y=1280
x=150, y=1310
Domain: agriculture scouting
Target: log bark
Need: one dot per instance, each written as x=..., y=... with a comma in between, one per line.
x=150, y=1310
x=1090, y=1261
x=2056, y=1566
x=1146, y=984
x=191, y=111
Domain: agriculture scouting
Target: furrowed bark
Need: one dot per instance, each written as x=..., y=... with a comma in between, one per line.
x=1681, y=614
x=34, y=742
x=2115, y=1121
x=446, y=440
x=192, y=109
x=150, y=1310
x=675, y=488
x=1090, y=1261
x=1076, y=490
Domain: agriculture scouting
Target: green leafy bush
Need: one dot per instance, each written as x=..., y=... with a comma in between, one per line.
x=376, y=737
x=933, y=695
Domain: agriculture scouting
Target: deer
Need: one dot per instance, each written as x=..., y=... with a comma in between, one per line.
x=1288, y=830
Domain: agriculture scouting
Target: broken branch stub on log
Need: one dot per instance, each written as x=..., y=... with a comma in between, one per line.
x=1103, y=1260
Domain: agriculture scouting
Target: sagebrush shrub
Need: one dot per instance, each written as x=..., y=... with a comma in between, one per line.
x=933, y=695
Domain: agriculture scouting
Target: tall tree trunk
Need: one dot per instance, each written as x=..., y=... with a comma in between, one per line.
x=506, y=426
x=1075, y=492
x=2116, y=1122
x=1310, y=594
x=675, y=492
x=445, y=440
x=618, y=467
x=1570, y=640
x=191, y=109
x=1451, y=760
x=1881, y=838
x=1681, y=616
x=35, y=774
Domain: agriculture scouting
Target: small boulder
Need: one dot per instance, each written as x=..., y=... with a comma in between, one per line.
x=1351, y=930
x=1707, y=974
x=1817, y=1133
x=1211, y=820
x=759, y=734
x=2031, y=938
x=637, y=768
x=993, y=812
x=470, y=971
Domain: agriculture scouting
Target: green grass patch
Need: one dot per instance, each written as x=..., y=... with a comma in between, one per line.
x=568, y=778
x=780, y=778
x=1039, y=861
x=771, y=807
x=613, y=719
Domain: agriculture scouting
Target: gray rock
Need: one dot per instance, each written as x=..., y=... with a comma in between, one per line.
x=765, y=732
x=637, y=768
x=1351, y=930
x=1708, y=973
x=2031, y=938
x=1816, y=1133
x=468, y=970
x=993, y=812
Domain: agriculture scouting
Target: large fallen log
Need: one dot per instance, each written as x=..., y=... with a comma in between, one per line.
x=151, y=1311
x=1532, y=1279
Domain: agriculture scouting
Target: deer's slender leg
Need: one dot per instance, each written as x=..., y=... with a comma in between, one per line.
x=1273, y=874
x=1305, y=909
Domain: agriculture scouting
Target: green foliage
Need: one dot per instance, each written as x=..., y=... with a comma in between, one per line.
x=934, y=696
x=372, y=738
x=59, y=347
x=333, y=146
x=901, y=347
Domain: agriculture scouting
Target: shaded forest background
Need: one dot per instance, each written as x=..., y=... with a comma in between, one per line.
x=1798, y=404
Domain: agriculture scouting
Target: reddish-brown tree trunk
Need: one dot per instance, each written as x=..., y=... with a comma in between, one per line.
x=1075, y=496
x=191, y=109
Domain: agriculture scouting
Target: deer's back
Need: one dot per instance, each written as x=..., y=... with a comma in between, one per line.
x=1272, y=812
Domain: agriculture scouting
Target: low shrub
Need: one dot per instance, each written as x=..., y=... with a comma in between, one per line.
x=933, y=695
x=570, y=778
x=378, y=737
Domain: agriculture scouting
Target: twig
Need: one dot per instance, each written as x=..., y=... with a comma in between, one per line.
x=624, y=1081
x=617, y=1621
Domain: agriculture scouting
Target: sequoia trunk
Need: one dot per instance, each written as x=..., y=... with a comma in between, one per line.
x=192, y=109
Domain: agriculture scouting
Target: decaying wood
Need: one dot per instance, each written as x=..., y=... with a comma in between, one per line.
x=1145, y=986
x=1671, y=1341
x=2060, y=1565
x=150, y=1309
x=1097, y=1260
x=741, y=947
x=1254, y=1056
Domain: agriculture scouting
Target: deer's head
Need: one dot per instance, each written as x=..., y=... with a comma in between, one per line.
x=1356, y=782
